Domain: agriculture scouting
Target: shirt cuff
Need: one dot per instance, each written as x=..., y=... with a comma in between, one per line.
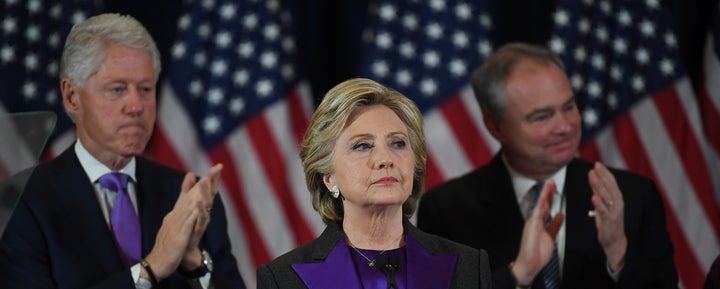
x=140, y=283
x=615, y=276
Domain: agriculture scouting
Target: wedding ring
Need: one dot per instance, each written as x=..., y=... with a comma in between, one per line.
x=591, y=213
x=208, y=209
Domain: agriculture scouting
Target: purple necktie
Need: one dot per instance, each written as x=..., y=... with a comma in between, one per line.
x=124, y=221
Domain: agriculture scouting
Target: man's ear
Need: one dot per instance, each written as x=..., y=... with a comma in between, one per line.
x=492, y=124
x=69, y=96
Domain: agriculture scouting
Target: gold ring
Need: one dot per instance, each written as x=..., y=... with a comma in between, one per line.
x=208, y=209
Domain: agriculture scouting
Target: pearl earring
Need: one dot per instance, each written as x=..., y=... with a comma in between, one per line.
x=335, y=191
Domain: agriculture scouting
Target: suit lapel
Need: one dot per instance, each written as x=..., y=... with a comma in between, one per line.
x=332, y=266
x=428, y=269
x=580, y=230
x=81, y=213
x=506, y=219
x=156, y=195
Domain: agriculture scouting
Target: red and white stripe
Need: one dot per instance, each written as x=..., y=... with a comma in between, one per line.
x=661, y=138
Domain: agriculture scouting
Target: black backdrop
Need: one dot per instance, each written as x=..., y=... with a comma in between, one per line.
x=329, y=31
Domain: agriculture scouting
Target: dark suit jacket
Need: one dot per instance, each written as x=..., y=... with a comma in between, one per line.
x=480, y=209
x=58, y=237
x=434, y=254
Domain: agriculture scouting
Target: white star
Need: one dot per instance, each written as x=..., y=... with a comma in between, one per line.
x=407, y=50
x=184, y=22
x=273, y=5
x=32, y=33
x=56, y=11
x=576, y=81
x=653, y=4
x=612, y=101
x=598, y=61
x=223, y=39
x=204, y=31
x=463, y=11
x=605, y=7
x=647, y=28
x=601, y=34
x=34, y=6
x=250, y=21
x=9, y=25
x=7, y=54
x=218, y=67
x=241, y=77
x=54, y=40
x=431, y=59
x=557, y=45
x=227, y=12
x=52, y=68
x=11, y=2
x=77, y=17
x=624, y=18
x=287, y=71
x=485, y=21
x=215, y=96
x=208, y=4
x=271, y=32
x=457, y=67
x=594, y=89
x=638, y=83
x=620, y=46
x=588, y=2
x=667, y=67
x=484, y=48
x=460, y=39
x=200, y=59
x=437, y=5
x=434, y=31
x=403, y=77
x=670, y=40
x=211, y=125
x=384, y=40
x=236, y=105
x=264, y=87
x=196, y=87
x=561, y=18
x=616, y=73
x=288, y=44
x=268, y=60
x=590, y=117
x=29, y=90
x=428, y=86
x=387, y=12
x=380, y=68
x=31, y=61
x=410, y=22
x=51, y=97
x=246, y=49
x=178, y=50
x=584, y=26
x=580, y=54
x=642, y=56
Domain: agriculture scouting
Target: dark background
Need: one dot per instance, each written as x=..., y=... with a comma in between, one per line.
x=329, y=31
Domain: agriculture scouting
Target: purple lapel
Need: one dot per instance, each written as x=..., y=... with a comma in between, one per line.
x=426, y=270
x=337, y=271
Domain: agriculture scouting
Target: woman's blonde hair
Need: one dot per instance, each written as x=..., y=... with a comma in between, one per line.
x=328, y=121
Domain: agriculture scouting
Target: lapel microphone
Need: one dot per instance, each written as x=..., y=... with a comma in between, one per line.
x=388, y=265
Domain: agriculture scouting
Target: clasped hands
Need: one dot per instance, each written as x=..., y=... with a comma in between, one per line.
x=176, y=243
x=537, y=242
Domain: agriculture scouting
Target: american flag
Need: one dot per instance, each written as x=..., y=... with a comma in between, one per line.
x=640, y=113
x=427, y=50
x=234, y=96
x=32, y=35
x=709, y=94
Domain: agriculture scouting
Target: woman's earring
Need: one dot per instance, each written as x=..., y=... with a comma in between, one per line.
x=335, y=191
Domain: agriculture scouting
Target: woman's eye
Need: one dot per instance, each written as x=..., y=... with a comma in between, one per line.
x=362, y=146
x=399, y=144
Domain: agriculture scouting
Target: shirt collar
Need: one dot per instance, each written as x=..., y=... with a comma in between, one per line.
x=95, y=169
x=522, y=184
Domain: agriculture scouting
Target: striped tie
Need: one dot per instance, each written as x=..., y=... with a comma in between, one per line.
x=551, y=272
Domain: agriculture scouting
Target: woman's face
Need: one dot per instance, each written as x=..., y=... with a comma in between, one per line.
x=373, y=161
